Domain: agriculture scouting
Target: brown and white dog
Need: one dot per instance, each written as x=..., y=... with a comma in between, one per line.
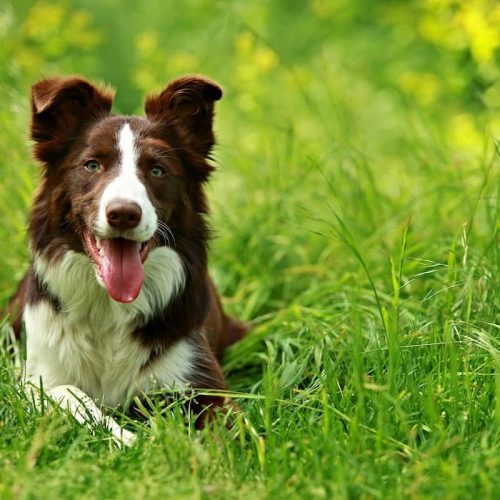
x=118, y=300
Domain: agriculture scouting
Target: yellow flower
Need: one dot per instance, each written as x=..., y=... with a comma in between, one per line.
x=244, y=43
x=182, y=62
x=425, y=87
x=265, y=59
x=147, y=43
x=482, y=33
x=44, y=20
x=463, y=133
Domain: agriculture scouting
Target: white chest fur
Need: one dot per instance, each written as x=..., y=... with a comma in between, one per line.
x=89, y=343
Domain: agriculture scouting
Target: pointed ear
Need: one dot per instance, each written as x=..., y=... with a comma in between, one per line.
x=188, y=105
x=61, y=108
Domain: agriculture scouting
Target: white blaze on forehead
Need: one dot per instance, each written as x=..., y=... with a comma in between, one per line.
x=128, y=152
x=127, y=186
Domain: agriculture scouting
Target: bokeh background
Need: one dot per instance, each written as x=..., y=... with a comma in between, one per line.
x=308, y=85
x=355, y=208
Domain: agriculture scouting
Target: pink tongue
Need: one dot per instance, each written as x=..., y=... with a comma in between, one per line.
x=121, y=268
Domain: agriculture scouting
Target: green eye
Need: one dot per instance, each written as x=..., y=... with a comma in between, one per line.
x=92, y=166
x=157, y=171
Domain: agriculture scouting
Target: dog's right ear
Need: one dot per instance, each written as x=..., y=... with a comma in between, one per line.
x=61, y=108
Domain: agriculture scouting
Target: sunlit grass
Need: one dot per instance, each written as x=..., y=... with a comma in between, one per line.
x=357, y=239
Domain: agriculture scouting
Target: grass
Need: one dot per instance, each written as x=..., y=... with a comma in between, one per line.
x=360, y=243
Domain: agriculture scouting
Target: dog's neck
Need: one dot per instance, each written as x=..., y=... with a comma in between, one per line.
x=71, y=280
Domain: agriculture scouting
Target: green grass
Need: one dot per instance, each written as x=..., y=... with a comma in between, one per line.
x=354, y=231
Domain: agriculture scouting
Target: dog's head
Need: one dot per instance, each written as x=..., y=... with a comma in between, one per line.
x=115, y=187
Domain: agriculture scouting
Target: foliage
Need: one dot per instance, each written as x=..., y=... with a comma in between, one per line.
x=356, y=209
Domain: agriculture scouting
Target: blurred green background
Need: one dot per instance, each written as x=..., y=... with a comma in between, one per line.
x=410, y=85
x=355, y=209
x=392, y=104
x=306, y=83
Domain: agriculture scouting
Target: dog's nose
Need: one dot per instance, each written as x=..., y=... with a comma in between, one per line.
x=123, y=214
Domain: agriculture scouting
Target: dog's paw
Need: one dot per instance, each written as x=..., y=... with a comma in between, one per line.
x=121, y=437
x=126, y=439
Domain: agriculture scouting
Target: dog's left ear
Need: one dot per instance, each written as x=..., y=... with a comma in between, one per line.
x=188, y=105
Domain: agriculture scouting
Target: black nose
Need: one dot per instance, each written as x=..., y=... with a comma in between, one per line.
x=123, y=215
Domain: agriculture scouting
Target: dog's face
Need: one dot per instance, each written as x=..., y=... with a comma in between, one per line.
x=119, y=186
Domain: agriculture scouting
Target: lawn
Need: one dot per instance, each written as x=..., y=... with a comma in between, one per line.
x=355, y=214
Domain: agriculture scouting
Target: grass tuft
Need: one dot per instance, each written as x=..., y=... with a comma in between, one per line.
x=355, y=207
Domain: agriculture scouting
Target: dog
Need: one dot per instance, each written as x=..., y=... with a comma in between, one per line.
x=118, y=300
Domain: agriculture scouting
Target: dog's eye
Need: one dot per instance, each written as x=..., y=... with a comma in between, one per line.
x=158, y=171
x=92, y=166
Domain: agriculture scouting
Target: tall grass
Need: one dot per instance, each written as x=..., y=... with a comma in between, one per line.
x=358, y=239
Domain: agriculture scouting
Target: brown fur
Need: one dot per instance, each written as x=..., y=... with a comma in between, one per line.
x=72, y=122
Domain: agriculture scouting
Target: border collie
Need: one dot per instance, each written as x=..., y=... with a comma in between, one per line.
x=118, y=300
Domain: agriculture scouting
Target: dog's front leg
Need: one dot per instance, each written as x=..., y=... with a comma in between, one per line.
x=86, y=412
x=206, y=373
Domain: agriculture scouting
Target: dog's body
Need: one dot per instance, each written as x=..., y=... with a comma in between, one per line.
x=118, y=300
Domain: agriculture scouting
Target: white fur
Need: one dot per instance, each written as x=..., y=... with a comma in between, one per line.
x=108, y=365
x=73, y=281
x=86, y=412
x=127, y=186
x=89, y=343
x=88, y=348
x=173, y=368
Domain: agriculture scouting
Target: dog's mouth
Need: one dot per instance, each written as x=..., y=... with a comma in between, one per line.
x=119, y=263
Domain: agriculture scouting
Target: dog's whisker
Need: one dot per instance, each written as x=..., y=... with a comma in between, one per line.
x=107, y=316
x=167, y=234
